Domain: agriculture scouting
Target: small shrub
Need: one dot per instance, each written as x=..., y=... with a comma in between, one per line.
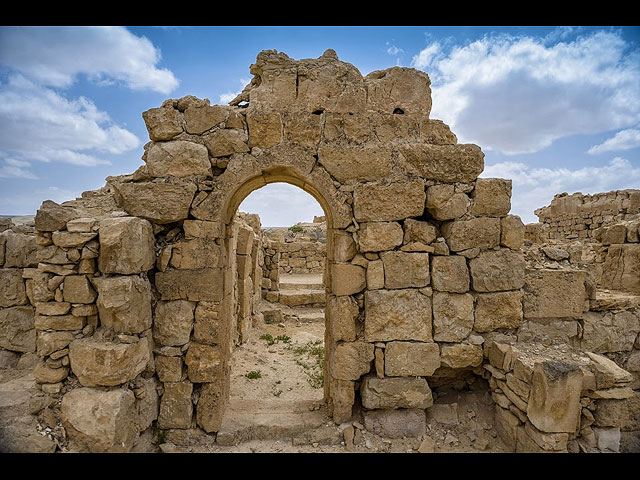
x=296, y=229
x=268, y=337
x=253, y=374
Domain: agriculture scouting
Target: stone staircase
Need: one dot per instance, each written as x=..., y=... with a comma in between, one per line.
x=305, y=295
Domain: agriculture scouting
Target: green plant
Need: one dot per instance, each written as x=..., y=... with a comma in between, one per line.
x=284, y=338
x=160, y=438
x=296, y=229
x=311, y=359
x=252, y=375
x=268, y=337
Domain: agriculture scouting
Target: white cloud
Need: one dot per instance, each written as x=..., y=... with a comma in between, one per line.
x=40, y=124
x=281, y=205
x=533, y=188
x=393, y=50
x=519, y=94
x=225, y=98
x=54, y=56
x=16, y=168
x=623, y=140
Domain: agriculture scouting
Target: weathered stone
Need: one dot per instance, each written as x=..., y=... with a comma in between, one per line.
x=173, y=322
x=498, y=310
x=483, y=232
x=398, y=423
x=554, y=294
x=506, y=424
x=397, y=315
x=159, y=202
x=450, y=274
x=51, y=216
x=124, y=303
x=375, y=275
x=411, y=359
x=169, y=369
x=195, y=285
x=44, y=374
x=395, y=393
x=554, y=401
x=84, y=224
x=206, y=328
x=379, y=236
x=511, y=232
x=361, y=163
x=418, y=231
x=460, y=355
x=497, y=270
x=608, y=373
x=78, y=289
x=59, y=322
x=163, y=123
x=12, y=288
x=351, y=360
x=204, y=363
x=347, y=279
x=401, y=88
x=72, y=239
x=621, y=270
x=444, y=413
x=99, y=421
x=342, y=399
x=196, y=253
x=342, y=318
x=404, y=269
x=443, y=203
x=101, y=363
x=147, y=402
x=177, y=159
x=265, y=128
x=176, y=407
x=371, y=201
x=492, y=197
x=19, y=250
x=303, y=129
x=446, y=163
x=126, y=245
x=202, y=229
x=452, y=316
x=210, y=407
x=609, y=331
x=49, y=342
x=200, y=118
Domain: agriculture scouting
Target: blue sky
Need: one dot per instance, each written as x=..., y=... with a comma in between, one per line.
x=556, y=109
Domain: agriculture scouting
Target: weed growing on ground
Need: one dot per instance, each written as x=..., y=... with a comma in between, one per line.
x=310, y=357
x=253, y=374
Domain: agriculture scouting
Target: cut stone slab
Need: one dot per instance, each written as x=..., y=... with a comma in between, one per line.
x=403, y=314
x=126, y=245
x=396, y=392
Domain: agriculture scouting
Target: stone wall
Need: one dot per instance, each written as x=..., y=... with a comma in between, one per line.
x=578, y=216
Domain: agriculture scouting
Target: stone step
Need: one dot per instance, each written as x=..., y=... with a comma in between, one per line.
x=248, y=420
x=294, y=298
x=301, y=282
x=308, y=314
x=301, y=286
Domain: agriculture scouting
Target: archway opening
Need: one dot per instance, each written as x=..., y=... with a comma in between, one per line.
x=277, y=300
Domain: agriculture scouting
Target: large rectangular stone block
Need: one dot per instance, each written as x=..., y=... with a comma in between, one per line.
x=379, y=236
x=158, y=202
x=482, y=232
x=497, y=270
x=396, y=392
x=403, y=314
x=622, y=268
x=498, y=310
x=362, y=163
x=411, y=359
x=12, y=288
x=379, y=203
x=554, y=294
x=404, y=269
x=124, y=303
x=447, y=163
x=195, y=285
x=176, y=406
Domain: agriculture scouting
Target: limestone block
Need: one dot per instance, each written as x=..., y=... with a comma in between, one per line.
x=351, y=360
x=347, y=279
x=124, y=303
x=460, y=355
x=418, y=231
x=101, y=363
x=19, y=250
x=401, y=88
x=621, y=269
x=83, y=224
x=391, y=393
x=52, y=308
x=177, y=159
x=397, y=315
x=245, y=240
x=437, y=132
x=173, y=322
x=492, y=197
x=147, y=402
x=59, y=322
x=169, y=369
x=195, y=285
x=204, y=363
x=363, y=163
x=158, y=202
x=450, y=274
x=303, y=129
x=497, y=270
x=506, y=424
x=98, y=421
x=375, y=275
x=609, y=331
x=51, y=216
x=210, y=407
x=200, y=118
x=404, y=269
x=126, y=245
x=344, y=246
x=71, y=239
x=498, y=310
x=17, y=332
x=452, y=316
x=45, y=374
x=511, y=232
x=163, y=123
x=608, y=374
x=12, y=288
x=176, y=407
x=445, y=163
x=196, y=253
x=612, y=234
x=554, y=401
x=343, y=312
x=411, y=359
x=554, y=294
x=375, y=202
x=202, y=229
x=483, y=232
x=397, y=423
x=443, y=203
x=49, y=342
x=78, y=289
x=265, y=128
x=379, y=236
x=342, y=398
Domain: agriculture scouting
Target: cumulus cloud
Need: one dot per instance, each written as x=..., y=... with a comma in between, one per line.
x=281, y=205
x=55, y=56
x=533, y=188
x=519, y=94
x=225, y=98
x=40, y=124
x=623, y=140
x=11, y=167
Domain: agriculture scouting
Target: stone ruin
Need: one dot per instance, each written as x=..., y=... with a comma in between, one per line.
x=129, y=301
